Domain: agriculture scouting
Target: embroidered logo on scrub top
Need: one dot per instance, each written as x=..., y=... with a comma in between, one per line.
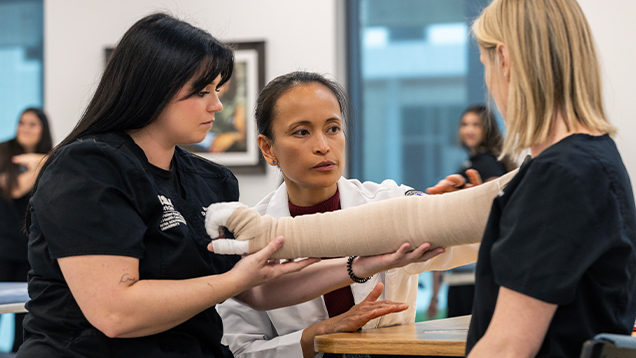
x=414, y=192
x=171, y=217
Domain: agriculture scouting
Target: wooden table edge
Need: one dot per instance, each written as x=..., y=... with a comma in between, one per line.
x=12, y=308
x=349, y=343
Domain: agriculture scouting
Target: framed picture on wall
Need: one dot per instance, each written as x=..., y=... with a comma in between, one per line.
x=232, y=139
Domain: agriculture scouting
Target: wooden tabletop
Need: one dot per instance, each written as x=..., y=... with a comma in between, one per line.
x=443, y=338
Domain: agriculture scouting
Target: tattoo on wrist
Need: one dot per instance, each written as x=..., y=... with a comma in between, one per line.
x=125, y=278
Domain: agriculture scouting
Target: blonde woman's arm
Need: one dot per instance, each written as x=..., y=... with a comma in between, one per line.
x=518, y=326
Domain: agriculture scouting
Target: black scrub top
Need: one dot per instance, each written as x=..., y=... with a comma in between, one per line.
x=486, y=164
x=99, y=197
x=564, y=232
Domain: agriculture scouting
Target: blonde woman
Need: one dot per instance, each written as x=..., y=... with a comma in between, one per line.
x=557, y=258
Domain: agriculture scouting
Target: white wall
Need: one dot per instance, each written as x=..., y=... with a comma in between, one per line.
x=298, y=35
x=613, y=26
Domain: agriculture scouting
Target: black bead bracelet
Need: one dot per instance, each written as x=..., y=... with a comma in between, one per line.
x=352, y=275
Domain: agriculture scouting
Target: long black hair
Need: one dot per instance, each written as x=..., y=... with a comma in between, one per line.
x=154, y=59
x=12, y=148
x=492, y=140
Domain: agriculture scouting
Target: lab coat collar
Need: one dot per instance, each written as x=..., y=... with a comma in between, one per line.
x=351, y=194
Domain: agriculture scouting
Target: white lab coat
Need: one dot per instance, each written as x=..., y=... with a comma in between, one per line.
x=277, y=333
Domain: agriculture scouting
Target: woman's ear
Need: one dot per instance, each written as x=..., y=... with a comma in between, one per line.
x=503, y=57
x=265, y=145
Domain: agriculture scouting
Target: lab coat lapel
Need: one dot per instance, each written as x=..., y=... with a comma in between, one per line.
x=278, y=205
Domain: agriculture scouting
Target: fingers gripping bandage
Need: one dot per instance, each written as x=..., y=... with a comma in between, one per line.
x=450, y=219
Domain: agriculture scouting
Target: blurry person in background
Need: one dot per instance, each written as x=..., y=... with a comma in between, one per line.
x=20, y=160
x=479, y=134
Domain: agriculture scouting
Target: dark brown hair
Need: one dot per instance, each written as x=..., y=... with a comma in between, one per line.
x=492, y=141
x=154, y=59
x=276, y=88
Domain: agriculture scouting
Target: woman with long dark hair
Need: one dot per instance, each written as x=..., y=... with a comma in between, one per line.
x=479, y=134
x=20, y=160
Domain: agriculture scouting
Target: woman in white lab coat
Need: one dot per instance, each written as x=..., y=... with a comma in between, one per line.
x=300, y=117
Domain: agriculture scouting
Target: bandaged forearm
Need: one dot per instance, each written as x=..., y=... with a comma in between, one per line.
x=449, y=219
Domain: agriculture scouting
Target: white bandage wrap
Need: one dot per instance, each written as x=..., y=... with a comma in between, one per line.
x=216, y=216
x=450, y=219
x=231, y=247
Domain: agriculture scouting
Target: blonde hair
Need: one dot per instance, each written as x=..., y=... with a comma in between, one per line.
x=554, y=68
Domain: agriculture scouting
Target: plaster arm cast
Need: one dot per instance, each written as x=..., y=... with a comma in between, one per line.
x=450, y=219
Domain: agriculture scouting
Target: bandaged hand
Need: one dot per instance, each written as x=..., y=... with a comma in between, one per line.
x=217, y=215
x=450, y=219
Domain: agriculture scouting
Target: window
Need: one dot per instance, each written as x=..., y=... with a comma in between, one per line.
x=21, y=53
x=412, y=70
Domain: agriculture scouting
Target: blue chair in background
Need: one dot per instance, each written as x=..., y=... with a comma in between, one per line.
x=607, y=345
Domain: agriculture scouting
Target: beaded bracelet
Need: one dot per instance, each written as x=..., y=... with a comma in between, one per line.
x=352, y=275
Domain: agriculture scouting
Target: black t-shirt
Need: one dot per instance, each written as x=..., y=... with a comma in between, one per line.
x=486, y=164
x=99, y=197
x=564, y=232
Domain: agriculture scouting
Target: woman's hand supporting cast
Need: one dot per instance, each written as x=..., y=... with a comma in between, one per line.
x=328, y=275
x=116, y=301
x=456, y=182
x=32, y=162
